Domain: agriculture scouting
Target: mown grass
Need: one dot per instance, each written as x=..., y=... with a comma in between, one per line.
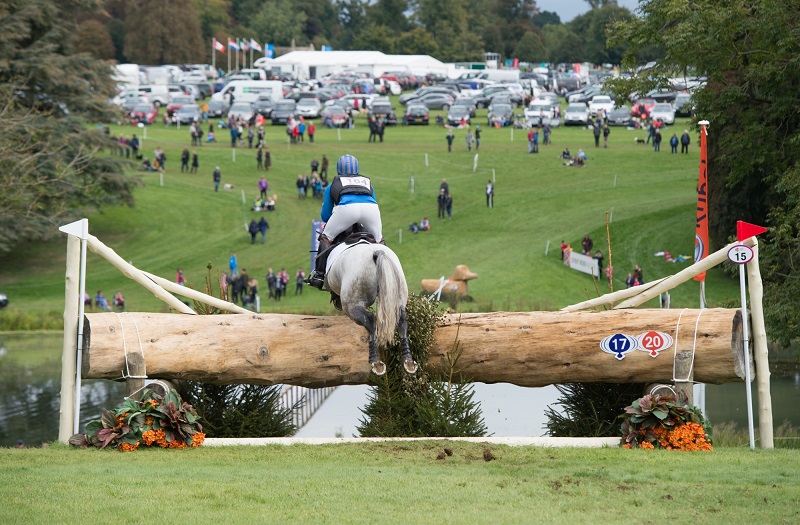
x=399, y=483
x=538, y=200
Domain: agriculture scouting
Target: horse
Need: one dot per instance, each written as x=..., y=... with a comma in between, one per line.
x=360, y=274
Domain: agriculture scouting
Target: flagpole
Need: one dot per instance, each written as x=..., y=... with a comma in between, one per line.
x=213, y=53
x=229, y=54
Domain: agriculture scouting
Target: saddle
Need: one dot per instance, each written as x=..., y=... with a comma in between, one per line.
x=353, y=235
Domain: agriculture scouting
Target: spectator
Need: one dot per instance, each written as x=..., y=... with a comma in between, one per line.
x=314, y=166
x=598, y=256
x=489, y=194
x=263, y=226
x=638, y=274
x=673, y=144
x=536, y=140
x=442, y=201
x=444, y=186
x=263, y=185
x=657, y=140
x=180, y=279
x=87, y=301
x=323, y=172
x=587, y=244
x=253, y=230
x=470, y=139
x=606, y=133
x=546, y=130
x=424, y=225
x=448, y=204
x=450, y=137
x=119, y=301
x=260, y=159
x=267, y=159
x=217, y=178
x=566, y=154
x=530, y=140
x=101, y=301
x=597, y=132
x=195, y=162
x=312, y=129
x=300, y=276
x=685, y=140
x=233, y=264
x=629, y=281
x=251, y=135
x=272, y=284
x=477, y=138
x=185, y=160
x=301, y=187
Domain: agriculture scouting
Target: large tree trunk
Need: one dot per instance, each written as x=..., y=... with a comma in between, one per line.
x=527, y=349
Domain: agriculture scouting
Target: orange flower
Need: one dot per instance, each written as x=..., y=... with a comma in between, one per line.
x=154, y=436
x=198, y=438
x=626, y=445
x=646, y=445
x=177, y=443
x=128, y=447
x=153, y=402
x=148, y=420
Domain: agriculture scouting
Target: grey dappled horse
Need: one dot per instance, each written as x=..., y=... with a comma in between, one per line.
x=362, y=273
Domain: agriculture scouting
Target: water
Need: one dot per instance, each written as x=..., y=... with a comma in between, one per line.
x=30, y=377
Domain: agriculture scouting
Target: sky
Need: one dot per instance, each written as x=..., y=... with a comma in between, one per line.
x=569, y=9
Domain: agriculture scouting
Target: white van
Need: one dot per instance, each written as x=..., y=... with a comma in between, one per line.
x=500, y=75
x=255, y=74
x=157, y=94
x=249, y=90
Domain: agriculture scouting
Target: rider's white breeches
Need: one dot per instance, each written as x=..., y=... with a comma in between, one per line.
x=346, y=215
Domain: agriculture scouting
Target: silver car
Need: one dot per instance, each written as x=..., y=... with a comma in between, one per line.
x=663, y=112
x=308, y=107
x=576, y=114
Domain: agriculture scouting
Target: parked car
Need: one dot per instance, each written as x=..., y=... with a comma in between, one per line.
x=336, y=116
x=177, y=102
x=217, y=108
x=263, y=105
x=467, y=102
x=457, y=114
x=381, y=109
x=204, y=88
x=189, y=113
x=435, y=100
x=129, y=103
x=284, y=110
x=646, y=103
x=144, y=113
x=500, y=114
x=663, y=95
x=417, y=114
x=193, y=76
x=308, y=107
x=585, y=95
x=408, y=97
x=576, y=114
x=241, y=110
x=664, y=112
x=683, y=105
x=483, y=99
x=619, y=116
x=600, y=102
x=539, y=110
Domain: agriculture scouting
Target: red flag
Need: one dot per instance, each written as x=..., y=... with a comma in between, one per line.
x=219, y=46
x=745, y=230
x=701, y=226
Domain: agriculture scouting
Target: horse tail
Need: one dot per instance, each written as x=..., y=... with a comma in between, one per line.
x=389, y=288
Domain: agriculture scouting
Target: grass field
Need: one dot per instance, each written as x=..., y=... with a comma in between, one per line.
x=399, y=483
x=649, y=196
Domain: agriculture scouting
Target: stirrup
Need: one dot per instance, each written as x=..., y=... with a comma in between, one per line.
x=316, y=280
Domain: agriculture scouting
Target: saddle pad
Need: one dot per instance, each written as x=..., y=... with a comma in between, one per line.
x=338, y=250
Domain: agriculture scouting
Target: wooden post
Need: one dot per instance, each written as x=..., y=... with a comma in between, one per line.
x=522, y=348
x=72, y=298
x=760, y=351
x=136, y=368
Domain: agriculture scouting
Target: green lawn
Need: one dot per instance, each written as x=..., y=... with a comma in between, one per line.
x=538, y=200
x=399, y=483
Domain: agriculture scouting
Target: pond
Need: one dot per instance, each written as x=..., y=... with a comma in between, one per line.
x=30, y=377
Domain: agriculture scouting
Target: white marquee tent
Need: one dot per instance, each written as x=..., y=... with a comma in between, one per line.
x=315, y=64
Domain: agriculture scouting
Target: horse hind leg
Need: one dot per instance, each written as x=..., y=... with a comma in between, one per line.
x=409, y=364
x=365, y=318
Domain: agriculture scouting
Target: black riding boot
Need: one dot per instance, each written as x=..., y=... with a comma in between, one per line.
x=317, y=277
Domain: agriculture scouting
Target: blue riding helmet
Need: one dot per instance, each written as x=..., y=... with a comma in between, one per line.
x=347, y=165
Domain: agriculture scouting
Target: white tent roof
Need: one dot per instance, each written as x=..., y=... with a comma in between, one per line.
x=332, y=58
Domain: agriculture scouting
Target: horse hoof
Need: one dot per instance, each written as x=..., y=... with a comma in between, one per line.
x=410, y=366
x=378, y=368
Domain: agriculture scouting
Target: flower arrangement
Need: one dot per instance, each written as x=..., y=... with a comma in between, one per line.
x=655, y=421
x=154, y=421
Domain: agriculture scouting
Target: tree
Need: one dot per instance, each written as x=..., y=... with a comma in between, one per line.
x=562, y=44
x=171, y=34
x=542, y=18
x=446, y=22
x=281, y=21
x=592, y=27
x=749, y=52
x=530, y=48
x=53, y=167
x=94, y=39
x=390, y=14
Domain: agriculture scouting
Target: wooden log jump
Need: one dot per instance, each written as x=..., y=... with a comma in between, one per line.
x=527, y=349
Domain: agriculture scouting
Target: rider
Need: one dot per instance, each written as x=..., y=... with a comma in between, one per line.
x=349, y=199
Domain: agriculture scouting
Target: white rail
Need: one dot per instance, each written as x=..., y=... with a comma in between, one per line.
x=309, y=399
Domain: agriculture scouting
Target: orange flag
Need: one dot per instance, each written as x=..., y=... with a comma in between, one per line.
x=701, y=227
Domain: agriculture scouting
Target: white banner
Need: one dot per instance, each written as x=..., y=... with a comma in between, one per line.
x=582, y=263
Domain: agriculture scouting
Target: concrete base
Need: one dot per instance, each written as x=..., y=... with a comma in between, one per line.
x=552, y=442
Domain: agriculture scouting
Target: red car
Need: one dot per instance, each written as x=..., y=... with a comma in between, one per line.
x=144, y=113
x=177, y=103
x=647, y=103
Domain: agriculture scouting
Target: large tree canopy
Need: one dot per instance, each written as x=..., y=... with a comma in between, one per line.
x=53, y=167
x=750, y=53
